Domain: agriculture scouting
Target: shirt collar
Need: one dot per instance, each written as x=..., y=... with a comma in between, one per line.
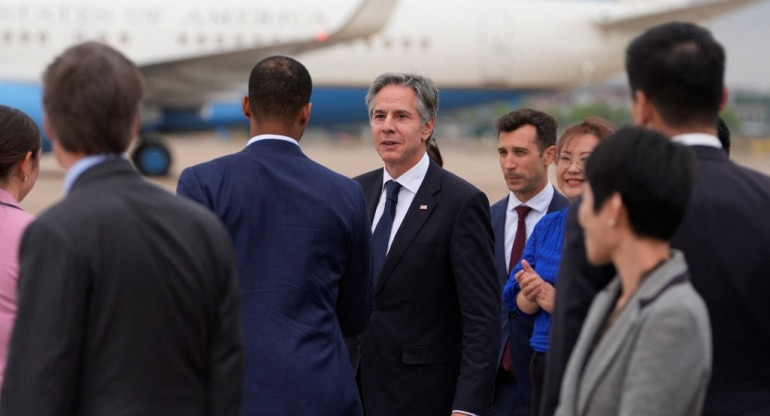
x=84, y=164
x=697, y=139
x=7, y=198
x=411, y=179
x=539, y=202
x=271, y=137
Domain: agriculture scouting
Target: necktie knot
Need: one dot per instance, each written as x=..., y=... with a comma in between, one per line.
x=522, y=210
x=392, y=187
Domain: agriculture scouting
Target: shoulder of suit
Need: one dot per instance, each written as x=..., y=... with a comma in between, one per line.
x=458, y=184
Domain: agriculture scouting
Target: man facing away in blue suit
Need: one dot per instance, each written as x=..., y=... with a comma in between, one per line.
x=526, y=145
x=302, y=237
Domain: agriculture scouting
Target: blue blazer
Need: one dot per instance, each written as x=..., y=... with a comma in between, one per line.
x=302, y=236
x=516, y=327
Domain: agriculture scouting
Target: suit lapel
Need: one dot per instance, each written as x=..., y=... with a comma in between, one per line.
x=612, y=342
x=422, y=206
x=498, y=225
x=558, y=202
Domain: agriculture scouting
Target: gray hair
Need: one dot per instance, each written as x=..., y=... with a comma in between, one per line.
x=425, y=88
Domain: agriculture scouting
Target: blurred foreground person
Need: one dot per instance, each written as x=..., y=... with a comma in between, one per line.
x=645, y=346
x=531, y=287
x=128, y=300
x=19, y=165
x=724, y=235
x=302, y=236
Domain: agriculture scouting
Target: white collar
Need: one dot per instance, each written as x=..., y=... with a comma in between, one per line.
x=411, y=179
x=539, y=202
x=697, y=139
x=271, y=137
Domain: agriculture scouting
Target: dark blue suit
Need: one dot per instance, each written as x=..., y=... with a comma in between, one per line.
x=302, y=237
x=516, y=327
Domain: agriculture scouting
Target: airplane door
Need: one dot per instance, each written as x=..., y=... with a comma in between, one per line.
x=496, y=48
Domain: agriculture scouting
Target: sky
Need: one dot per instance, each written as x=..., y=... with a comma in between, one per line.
x=745, y=35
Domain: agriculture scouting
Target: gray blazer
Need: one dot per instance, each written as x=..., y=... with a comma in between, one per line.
x=655, y=358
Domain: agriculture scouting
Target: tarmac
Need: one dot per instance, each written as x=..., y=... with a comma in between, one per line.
x=474, y=160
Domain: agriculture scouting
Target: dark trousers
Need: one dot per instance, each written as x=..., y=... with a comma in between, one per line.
x=537, y=376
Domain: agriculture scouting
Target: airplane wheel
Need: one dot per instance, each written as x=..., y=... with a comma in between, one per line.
x=152, y=158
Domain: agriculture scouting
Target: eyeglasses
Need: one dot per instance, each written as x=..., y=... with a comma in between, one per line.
x=564, y=161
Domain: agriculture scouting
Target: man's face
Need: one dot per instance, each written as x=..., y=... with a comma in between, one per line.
x=524, y=168
x=397, y=132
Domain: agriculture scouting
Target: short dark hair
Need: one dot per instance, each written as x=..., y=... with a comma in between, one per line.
x=424, y=88
x=279, y=87
x=545, y=125
x=680, y=68
x=19, y=135
x=91, y=98
x=653, y=176
x=596, y=126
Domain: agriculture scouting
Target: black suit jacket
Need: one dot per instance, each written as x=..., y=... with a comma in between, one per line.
x=432, y=343
x=128, y=305
x=725, y=237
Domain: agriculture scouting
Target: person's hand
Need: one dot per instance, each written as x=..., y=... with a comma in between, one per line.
x=545, y=296
x=529, y=282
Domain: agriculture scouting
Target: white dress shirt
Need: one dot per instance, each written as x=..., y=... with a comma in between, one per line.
x=271, y=137
x=410, y=182
x=539, y=204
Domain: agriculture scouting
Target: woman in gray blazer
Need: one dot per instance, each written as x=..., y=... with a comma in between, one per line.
x=645, y=347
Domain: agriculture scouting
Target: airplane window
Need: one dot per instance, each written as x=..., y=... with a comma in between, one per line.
x=239, y=39
x=220, y=39
x=406, y=43
x=387, y=43
x=43, y=37
x=370, y=40
x=7, y=37
x=24, y=37
x=182, y=39
x=425, y=44
x=124, y=38
x=202, y=39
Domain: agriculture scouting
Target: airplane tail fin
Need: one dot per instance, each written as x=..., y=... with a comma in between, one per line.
x=645, y=14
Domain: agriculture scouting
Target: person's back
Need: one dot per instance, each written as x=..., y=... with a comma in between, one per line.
x=302, y=238
x=151, y=341
x=128, y=297
x=725, y=236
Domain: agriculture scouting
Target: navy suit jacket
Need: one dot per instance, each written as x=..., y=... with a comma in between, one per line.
x=520, y=330
x=725, y=237
x=432, y=344
x=301, y=234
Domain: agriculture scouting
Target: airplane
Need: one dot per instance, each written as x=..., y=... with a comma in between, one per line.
x=196, y=54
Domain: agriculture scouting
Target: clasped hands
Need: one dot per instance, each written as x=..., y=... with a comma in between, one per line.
x=535, y=293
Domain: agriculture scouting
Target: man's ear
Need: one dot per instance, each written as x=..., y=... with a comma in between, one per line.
x=47, y=127
x=245, y=107
x=548, y=155
x=641, y=109
x=304, y=114
x=427, y=129
x=723, y=104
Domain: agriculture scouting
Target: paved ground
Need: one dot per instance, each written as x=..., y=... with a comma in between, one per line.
x=474, y=160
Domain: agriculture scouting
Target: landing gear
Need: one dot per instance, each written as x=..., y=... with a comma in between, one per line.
x=151, y=157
